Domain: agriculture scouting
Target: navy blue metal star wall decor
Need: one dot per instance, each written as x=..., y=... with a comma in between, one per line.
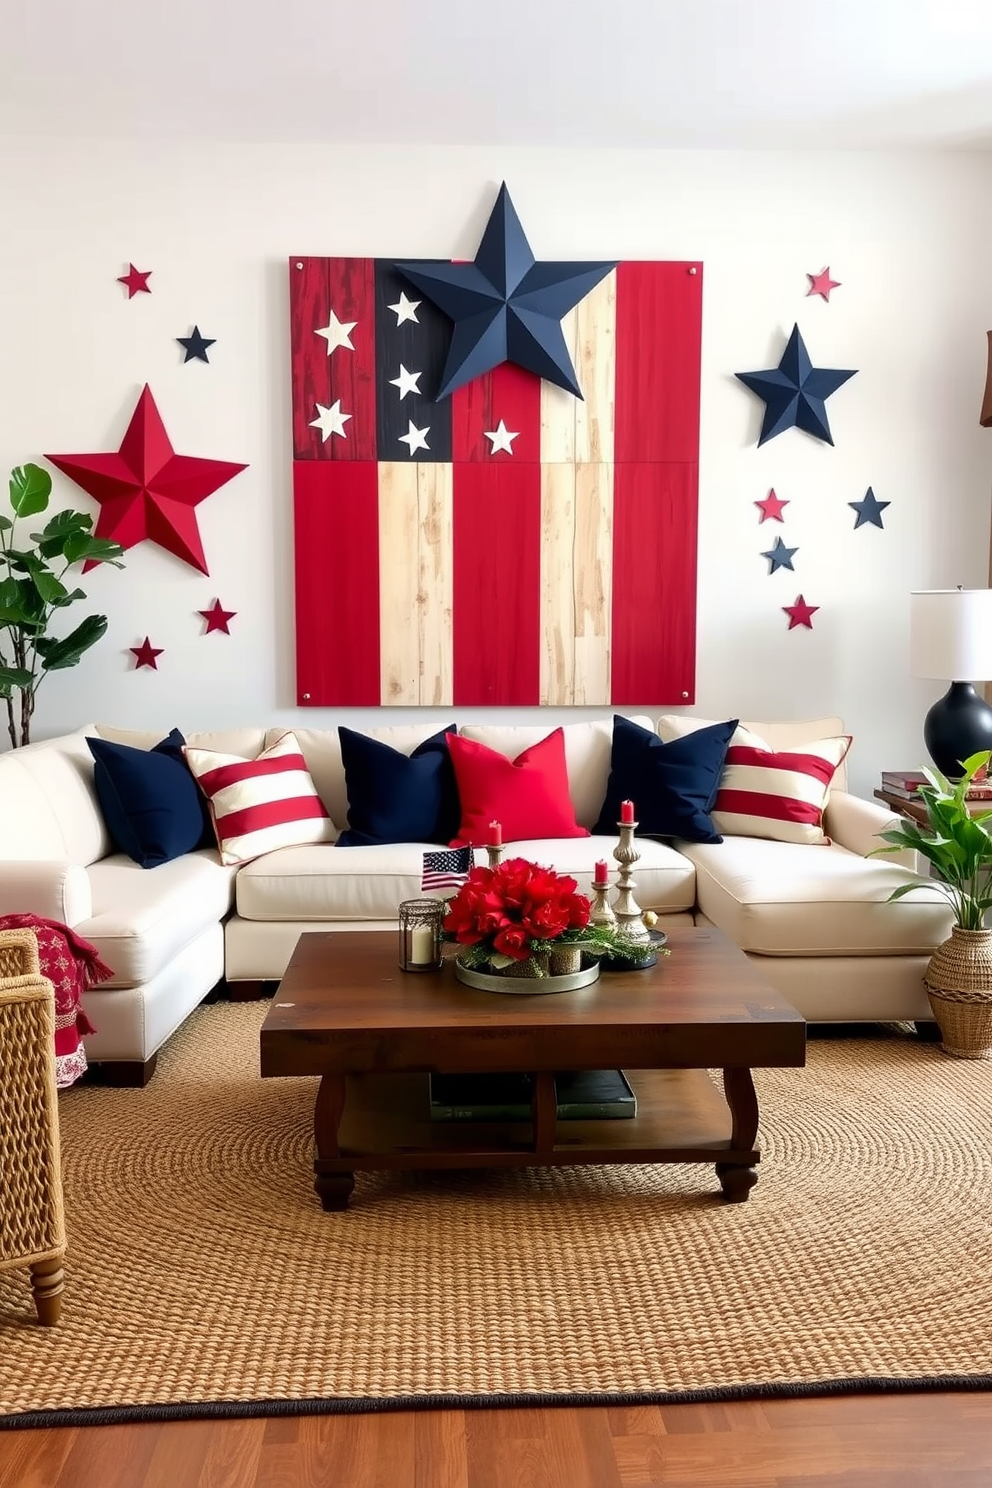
x=794, y=392
x=195, y=346
x=780, y=556
x=506, y=306
x=869, y=510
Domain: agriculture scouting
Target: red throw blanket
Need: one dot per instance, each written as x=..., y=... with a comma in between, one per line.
x=72, y=966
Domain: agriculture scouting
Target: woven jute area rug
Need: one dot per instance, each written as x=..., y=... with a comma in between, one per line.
x=203, y=1277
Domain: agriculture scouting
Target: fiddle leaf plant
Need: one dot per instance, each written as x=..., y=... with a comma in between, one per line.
x=954, y=841
x=33, y=591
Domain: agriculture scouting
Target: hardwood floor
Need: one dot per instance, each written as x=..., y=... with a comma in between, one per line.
x=863, y=1441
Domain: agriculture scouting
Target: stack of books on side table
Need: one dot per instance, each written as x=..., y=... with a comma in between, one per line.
x=583, y=1095
x=905, y=783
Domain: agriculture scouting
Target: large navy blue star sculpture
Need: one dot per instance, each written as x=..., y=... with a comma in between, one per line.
x=506, y=307
x=794, y=392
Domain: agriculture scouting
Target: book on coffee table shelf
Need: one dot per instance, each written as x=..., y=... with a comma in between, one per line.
x=583, y=1095
x=905, y=783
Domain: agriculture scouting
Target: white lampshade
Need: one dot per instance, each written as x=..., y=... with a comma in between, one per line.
x=950, y=634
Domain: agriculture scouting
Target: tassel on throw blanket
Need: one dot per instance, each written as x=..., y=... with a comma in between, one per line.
x=72, y=966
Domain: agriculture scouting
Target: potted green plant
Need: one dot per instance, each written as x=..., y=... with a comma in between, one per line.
x=33, y=593
x=957, y=845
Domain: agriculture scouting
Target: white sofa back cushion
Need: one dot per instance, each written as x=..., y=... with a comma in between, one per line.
x=247, y=743
x=48, y=808
x=789, y=735
x=588, y=747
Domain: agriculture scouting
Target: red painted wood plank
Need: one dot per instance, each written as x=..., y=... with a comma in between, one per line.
x=653, y=653
x=497, y=580
x=346, y=288
x=509, y=393
x=337, y=582
x=658, y=339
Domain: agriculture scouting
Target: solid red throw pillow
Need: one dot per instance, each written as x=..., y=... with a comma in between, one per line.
x=528, y=796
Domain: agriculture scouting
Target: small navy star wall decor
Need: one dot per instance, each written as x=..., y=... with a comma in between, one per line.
x=506, y=307
x=780, y=556
x=794, y=393
x=869, y=510
x=195, y=346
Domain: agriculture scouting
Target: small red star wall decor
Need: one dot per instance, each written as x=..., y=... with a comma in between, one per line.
x=771, y=507
x=146, y=490
x=821, y=284
x=217, y=618
x=145, y=654
x=135, y=281
x=800, y=613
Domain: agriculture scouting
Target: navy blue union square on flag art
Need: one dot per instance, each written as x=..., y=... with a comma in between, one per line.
x=510, y=544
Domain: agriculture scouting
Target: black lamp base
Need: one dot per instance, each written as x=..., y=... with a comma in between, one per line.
x=958, y=725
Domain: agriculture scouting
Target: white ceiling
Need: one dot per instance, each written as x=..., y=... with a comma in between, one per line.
x=651, y=73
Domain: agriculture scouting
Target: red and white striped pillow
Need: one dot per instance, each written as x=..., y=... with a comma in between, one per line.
x=261, y=804
x=779, y=794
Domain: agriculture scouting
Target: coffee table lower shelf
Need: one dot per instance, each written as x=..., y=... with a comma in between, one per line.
x=368, y=1123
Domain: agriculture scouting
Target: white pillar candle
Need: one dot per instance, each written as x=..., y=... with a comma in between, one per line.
x=421, y=945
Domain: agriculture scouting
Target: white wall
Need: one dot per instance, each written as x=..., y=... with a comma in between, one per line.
x=907, y=235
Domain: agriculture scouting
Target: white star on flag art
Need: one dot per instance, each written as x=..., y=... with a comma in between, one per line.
x=330, y=420
x=407, y=382
x=500, y=438
x=415, y=438
x=337, y=333
x=405, y=309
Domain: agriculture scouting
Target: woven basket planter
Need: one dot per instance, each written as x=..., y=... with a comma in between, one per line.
x=959, y=985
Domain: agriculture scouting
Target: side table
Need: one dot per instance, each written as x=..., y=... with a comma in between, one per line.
x=914, y=810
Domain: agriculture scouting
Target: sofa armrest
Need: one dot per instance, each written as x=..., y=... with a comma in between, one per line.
x=58, y=890
x=855, y=823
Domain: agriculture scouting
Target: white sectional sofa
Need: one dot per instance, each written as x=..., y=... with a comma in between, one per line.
x=816, y=918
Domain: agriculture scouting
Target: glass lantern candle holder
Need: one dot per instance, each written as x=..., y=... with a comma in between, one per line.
x=420, y=934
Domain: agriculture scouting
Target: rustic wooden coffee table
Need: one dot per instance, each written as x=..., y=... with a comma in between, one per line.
x=344, y=1011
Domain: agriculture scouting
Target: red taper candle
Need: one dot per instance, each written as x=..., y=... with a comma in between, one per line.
x=626, y=811
x=602, y=874
x=496, y=834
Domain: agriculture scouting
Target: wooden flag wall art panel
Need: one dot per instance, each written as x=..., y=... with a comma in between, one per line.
x=507, y=542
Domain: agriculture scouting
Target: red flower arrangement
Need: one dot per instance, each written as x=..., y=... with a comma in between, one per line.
x=513, y=910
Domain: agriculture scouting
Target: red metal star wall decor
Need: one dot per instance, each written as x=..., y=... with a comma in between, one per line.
x=800, y=613
x=145, y=654
x=135, y=281
x=217, y=618
x=821, y=284
x=771, y=506
x=146, y=490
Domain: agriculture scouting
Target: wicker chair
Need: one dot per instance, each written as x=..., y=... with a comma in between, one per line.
x=32, y=1227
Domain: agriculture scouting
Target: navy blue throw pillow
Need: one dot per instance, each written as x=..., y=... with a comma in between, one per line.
x=152, y=806
x=673, y=786
x=397, y=797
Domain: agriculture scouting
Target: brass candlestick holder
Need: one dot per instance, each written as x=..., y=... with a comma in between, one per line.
x=625, y=907
x=495, y=851
x=601, y=910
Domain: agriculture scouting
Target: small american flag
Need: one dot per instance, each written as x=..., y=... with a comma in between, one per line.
x=446, y=870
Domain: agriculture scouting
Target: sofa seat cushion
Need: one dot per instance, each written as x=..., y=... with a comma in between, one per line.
x=321, y=882
x=144, y=917
x=792, y=899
